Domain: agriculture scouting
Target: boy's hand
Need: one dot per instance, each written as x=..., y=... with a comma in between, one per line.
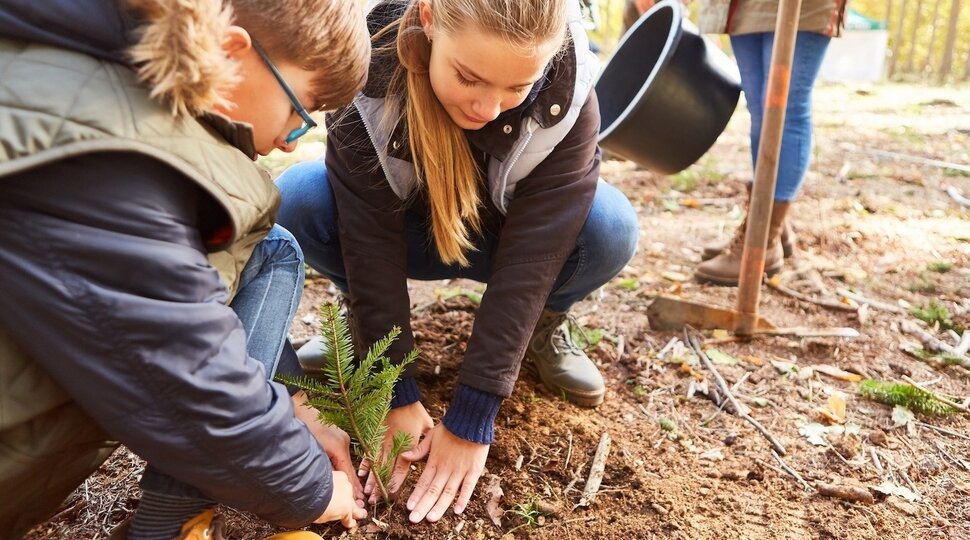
x=342, y=506
x=412, y=419
x=334, y=441
x=455, y=464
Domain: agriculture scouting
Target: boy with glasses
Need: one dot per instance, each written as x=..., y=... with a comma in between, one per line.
x=144, y=292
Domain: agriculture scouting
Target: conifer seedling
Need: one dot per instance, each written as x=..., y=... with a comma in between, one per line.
x=356, y=396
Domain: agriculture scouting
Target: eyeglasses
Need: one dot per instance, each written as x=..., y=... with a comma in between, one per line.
x=308, y=122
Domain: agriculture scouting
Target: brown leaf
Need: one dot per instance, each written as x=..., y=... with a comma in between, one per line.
x=494, y=492
x=837, y=373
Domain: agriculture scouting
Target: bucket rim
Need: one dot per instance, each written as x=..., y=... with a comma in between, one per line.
x=673, y=37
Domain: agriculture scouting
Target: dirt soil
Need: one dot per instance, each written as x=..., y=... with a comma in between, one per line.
x=678, y=467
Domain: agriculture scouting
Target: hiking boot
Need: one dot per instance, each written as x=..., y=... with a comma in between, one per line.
x=313, y=354
x=787, y=244
x=725, y=268
x=563, y=367
x=208, y=526
x=787, y=238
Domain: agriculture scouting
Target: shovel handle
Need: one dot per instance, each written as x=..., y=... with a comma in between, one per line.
x=766, y=170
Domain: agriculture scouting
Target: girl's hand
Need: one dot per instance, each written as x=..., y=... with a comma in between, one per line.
x=453, y=469
x=414, y=420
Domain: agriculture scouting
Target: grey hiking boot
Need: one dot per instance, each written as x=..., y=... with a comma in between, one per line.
x=312, y=355
x=563, y=367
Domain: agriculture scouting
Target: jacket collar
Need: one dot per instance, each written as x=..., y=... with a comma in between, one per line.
x=237, y=134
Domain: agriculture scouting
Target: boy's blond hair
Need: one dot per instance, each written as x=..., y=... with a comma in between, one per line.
x=179, y=51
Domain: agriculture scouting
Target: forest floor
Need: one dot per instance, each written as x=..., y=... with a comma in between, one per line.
x=870, y=220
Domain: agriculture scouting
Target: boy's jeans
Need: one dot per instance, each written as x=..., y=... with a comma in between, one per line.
x=269, y=293
x=605, y=245
x=753, y=53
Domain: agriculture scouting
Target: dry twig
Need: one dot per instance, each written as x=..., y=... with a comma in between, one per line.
x=739, y=409
x=934, y=344
x=875, y=304
x=936, y=396
x=787, y=468
x=596, y=471
x=830, y=304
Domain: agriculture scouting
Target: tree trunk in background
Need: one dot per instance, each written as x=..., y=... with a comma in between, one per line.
x=898, y=39
x=951, y=40
x=935, y=21
x=911, y=60
x=966, y=67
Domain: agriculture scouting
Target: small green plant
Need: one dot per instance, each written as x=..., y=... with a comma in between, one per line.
x=935, y=313
x=628, y=284
x=639, y=391
x=528, y=512
x=356, y=397
x=914, y=399
x=585, y=338
x=940, y=267
x=923, y=284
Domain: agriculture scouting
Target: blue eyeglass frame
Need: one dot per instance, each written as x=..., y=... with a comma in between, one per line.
x=308, y=122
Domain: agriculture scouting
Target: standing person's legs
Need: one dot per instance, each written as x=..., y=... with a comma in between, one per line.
x=749, y=53
x=796, y=145
x=270, y=287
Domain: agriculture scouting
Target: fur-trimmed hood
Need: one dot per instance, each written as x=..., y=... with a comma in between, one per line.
x=174, y=45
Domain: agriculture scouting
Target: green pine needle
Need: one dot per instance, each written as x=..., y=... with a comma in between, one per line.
x=914, y=399
x=356, y=396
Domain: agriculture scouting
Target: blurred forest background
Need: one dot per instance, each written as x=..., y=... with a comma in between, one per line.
x=929, y=40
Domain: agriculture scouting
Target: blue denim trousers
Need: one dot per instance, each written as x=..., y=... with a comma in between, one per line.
x=753, y=53
x=266, y=301
x=605, y=245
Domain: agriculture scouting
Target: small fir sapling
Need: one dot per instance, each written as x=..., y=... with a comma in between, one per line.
x=356, y=396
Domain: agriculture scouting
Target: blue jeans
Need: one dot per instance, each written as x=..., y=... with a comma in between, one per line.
x=753, y=53
x=266, y=301
x=605, y=245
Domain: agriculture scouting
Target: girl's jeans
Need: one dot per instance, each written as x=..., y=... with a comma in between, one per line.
x=605, y=244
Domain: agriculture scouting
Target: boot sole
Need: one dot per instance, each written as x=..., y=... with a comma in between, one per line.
x=576, y=397
x=728, y=282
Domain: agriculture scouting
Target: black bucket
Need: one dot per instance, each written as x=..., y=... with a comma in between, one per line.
x=667, y=93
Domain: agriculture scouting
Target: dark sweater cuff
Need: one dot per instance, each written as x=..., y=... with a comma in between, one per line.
x=406, y=392
x=471, y=415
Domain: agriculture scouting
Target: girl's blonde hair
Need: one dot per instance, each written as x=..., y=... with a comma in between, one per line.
x=443, y=161
x=179, y=53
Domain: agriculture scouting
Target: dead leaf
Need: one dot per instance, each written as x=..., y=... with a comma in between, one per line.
x=494, y=492
x=720, y=333
x=784, y=367
x=720, y=358
x=674, y=276
x=690, y=203
x=889, y=488
x=902, y=416
x=837, y=373
x=714, y=454
x=815, y=433
x=754, y=360
x=835, y=410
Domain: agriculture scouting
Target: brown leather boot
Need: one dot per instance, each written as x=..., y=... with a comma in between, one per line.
x=725, y=268
x=787, y=244
x=787, y=238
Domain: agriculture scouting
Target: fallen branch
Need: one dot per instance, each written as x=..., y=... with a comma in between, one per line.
x=596, y=471
x=955, y=194
x=920, y=160
x=934, y=344
x=789, y=470
x=739, y=409
x=846, y=493
x=882, y=306
x=830, y=304
x=936, y=396
x=943, y=430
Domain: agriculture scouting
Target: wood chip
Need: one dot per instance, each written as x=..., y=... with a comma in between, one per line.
x=857, y=494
